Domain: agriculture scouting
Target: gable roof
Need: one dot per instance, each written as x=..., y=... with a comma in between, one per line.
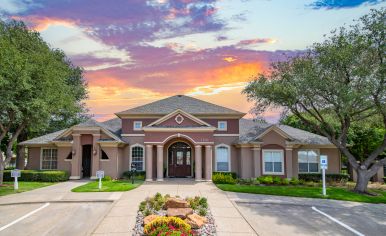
x=188, y=104
x=251, y=131
x=185, y=114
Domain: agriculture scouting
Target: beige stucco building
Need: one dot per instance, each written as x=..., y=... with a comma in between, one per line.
x=181, y=136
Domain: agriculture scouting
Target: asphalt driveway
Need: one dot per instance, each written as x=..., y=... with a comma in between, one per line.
x=275, y=215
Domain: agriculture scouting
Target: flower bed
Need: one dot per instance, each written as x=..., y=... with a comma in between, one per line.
x=166, y=215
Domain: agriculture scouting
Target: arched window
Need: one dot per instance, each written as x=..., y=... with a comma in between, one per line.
x=223, y=160
x=137, y=157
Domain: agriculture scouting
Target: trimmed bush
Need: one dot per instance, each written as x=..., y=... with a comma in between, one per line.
x=39, y=175
x=265, y=179
x=233, y=174
x=164, y=225
x=277, y=180
x=106, y=178
x=294, y=181
x=221, y=178
x=285, y=181
x=316, y=177
x=138, y=175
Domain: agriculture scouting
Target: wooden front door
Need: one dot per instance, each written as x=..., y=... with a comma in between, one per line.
x=179, y=160
x=86, y=161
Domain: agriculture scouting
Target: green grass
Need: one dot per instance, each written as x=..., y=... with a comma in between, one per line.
x=336, y=193
x=7, y=187
x=108, y=186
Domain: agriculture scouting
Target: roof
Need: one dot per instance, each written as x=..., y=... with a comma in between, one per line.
x=251, y=130
x=188, y=104
x=45, y=139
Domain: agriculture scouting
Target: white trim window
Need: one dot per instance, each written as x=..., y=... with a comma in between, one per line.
x=138, y=157
x=137, y=125
x=222, y=126
x=273, y=162
x=49, y=159
x=223, y=158
x=308, y=161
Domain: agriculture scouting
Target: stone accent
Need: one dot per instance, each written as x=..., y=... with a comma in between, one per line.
x=149, y=219
x=196, y=221
x=179, y=212
x=176, y=203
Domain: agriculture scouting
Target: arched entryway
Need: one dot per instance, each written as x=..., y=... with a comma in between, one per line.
x=179, y=160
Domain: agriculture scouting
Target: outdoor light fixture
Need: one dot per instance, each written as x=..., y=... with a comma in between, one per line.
x=73, y=152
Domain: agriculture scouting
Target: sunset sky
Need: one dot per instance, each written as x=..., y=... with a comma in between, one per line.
x=137, y=51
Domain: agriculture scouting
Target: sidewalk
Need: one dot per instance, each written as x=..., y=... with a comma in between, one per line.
x=121, y=218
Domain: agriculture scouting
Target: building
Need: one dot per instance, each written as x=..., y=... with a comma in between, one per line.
x=181, y=136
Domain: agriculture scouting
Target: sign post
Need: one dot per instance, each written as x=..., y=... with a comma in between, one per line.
x=100, y=174
x=133, y=170
x=323, y=166
x=15, y=174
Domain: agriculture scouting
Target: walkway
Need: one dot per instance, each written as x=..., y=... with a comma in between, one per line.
x=121, y=218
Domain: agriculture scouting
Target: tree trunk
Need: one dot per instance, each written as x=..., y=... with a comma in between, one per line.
x=20, y=151
x=1, y=172
x=362, y=181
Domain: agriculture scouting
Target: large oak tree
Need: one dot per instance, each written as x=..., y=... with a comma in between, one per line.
x=38, y=86
x=341, y=79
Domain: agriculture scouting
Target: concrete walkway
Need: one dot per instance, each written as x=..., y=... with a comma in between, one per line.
x=121, y=218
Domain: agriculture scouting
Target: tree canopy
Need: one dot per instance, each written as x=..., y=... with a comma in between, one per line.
x=38, y=85
x=340, y=81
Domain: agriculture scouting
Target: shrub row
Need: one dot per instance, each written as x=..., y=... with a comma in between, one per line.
x=39, y=175
x=138, y=175
x=233, y=174
x=316, y=177
x=223, y=178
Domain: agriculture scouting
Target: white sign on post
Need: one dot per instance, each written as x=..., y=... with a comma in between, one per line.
x=324, y=166
x=15, y=174
x=100, y=174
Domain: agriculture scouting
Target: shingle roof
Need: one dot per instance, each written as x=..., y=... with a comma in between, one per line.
x=188, y=104
x=43, y=139
x=250, y=130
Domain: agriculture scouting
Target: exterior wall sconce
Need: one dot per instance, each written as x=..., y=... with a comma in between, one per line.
x=94, y=151
x=73, y=152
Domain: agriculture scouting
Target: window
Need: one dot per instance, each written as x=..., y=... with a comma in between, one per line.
x=308, y=161
x=104, y=156
x=222, y=125
x=49, y=159
x=137, y=157
x=222, y=158
x=137, y=125
x=69, y=156
x=273, y=162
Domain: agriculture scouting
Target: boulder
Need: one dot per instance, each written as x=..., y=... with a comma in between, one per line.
x=176, y=203
x=196, y=221
x=149, y=219
x=179, y=212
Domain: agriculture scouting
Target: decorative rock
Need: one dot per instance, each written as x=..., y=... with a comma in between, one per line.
x=179, y=212
x=149, y=219
x=176, y=203
x=196, y=221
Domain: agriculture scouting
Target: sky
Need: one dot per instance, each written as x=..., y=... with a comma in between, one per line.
x=138, y=51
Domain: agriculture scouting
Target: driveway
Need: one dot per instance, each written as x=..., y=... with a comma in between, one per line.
x=276, y=215
x=54, y=210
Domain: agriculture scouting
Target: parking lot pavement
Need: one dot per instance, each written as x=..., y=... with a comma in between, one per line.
x=296, y=219
x=51, y=218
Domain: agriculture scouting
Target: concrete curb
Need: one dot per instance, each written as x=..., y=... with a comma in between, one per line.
x=58, y=201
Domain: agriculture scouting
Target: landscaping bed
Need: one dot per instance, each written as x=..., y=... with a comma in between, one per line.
x=166, y=215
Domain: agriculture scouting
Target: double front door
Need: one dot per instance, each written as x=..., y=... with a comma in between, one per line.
x=179, y=160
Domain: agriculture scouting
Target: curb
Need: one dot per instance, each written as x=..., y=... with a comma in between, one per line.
x=58, y=201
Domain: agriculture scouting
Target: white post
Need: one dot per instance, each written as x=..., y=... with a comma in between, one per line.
x=100, y=183
x=16, y=184
x=324, y=181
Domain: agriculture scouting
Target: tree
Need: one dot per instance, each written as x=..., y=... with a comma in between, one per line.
x=37, y=85
x=341, y=79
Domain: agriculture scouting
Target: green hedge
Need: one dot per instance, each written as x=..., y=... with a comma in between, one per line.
x=39, y=175
x=138, y=174
x=315, y=177
x=223, y=178
x=233, y=174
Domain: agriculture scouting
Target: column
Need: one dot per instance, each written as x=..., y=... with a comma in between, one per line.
x=160, y=163
x=208, y=163
x=288, y=161
x=149, y=162
x=257, y=161
x=198, y=162
x=95, y=155
x=76, y=157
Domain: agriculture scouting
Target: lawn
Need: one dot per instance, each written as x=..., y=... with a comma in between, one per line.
x=7, y=187
x=336, y=193
x=108, y=186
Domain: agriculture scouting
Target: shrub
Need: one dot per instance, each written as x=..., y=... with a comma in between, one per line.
x=294, y=181
x=138, y=175
x=266, y=179
x=316, y=177
x=202, y=212
x=162, y=225
x=285, y=181
x=107, y=178
x=277, y=180
x=223, y=178
x=39, y=175
x=233, y=174
x=142, y=206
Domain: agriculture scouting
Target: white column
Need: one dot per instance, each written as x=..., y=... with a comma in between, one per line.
x=95, y=155
x=288, y=162
x=160, y=164
x=208, y=163
x=76, y=162
x=198, y=162
x=149, y=162
x=257, y=161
